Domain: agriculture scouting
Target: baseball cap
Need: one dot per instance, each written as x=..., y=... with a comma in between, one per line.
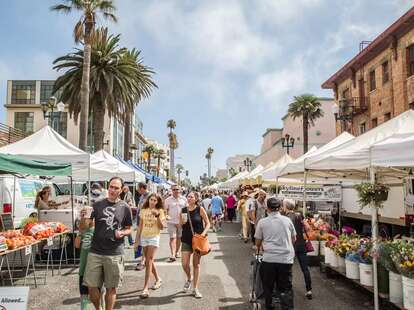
x=273, y=203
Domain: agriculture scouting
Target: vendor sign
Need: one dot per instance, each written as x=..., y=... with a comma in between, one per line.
x=313, y=192
x=14, y=298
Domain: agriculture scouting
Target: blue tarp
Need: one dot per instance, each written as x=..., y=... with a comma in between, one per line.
x=149, y=176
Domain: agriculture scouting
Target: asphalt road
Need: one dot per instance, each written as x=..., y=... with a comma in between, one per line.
x=225, y=283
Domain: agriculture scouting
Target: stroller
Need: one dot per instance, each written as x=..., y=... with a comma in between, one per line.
x=256, y=297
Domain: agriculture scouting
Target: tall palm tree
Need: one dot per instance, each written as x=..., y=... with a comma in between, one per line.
x=150, y=150
x=309, y=108
x=180, y=170
x=82, y=32
x=118, y=82
x=209, y=154
x=171, y=124
x=159, y=154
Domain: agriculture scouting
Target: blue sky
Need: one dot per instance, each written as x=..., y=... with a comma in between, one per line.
x=226, y=70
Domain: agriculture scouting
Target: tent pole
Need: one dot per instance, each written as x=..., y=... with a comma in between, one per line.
x=374, y=231
x=73, y=220
x=89, y=181
x=305, y=178
x=14, y=197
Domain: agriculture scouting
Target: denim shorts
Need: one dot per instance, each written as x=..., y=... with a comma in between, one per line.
x=150, y=241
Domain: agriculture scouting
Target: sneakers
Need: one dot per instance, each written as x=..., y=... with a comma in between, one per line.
x=144, y=294
x=197, y=293
x=157, y=284
x=308, y=295
x=187, y=286
x=140, y=267
x=177, y=255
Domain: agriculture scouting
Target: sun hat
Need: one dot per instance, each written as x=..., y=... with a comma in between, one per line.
x=273, y=203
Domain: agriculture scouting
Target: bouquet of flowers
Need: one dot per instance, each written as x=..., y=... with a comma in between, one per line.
x=361, y=252
x=385, y=251
x=331, y=243
x=403, y=258
x=345, y=245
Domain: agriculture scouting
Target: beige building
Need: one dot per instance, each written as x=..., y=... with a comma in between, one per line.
x=237, y=162
x=24, y=112
x=222, y=174
x=378, y=83
x=320, y=134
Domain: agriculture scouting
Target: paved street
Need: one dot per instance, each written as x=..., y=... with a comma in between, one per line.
x=224, y=284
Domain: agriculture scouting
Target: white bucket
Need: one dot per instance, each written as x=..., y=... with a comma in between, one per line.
x=365, y=274
x=334, y=260
x=315, y=252
x=351, y=270
x=396, y=288
x=341, y=263
x=322, y=247
x=327, y=256
x=408, y=291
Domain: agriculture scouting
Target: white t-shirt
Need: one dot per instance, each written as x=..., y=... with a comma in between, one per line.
x=250, y=204
x=174, y=206
x=206, y=203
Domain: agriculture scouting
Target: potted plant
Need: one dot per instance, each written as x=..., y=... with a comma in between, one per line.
x=370, y=193
x=385, y=252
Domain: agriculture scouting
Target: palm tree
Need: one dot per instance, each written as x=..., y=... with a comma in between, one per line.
x=118, y=82
x=308, y=107
x=171, y=124
x=82, y=32
x=180, y=170
x=210, y=152
x=159, y=154
x=150, y=150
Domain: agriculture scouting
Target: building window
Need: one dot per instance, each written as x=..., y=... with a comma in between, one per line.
x=410, y=60
x=387, y=116
x=372, y=84
x=345, y=93
x=374, y=123
x=385, y=72
x=59, y=122
x=362, y=128
x=46, y=89
x=24, y=121
x=23, y=92
x=118, y=139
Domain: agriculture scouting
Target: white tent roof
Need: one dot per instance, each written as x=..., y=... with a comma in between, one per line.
x=255, y=172
x=47, y=144
x=272, y=172
x=355, y=154
x=298, y=165
x=395, y=151
x=104, y=166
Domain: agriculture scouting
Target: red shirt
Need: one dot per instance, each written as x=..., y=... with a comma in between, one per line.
x=231, y=202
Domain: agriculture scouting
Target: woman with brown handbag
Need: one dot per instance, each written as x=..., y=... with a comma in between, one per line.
x=195, y=225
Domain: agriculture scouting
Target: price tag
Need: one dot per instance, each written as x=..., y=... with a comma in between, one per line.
x=49, y=241
x=28, y=250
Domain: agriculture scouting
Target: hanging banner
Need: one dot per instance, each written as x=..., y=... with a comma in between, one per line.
x=313, y=192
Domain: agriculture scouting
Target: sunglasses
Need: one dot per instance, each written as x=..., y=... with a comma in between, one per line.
x=175, y=190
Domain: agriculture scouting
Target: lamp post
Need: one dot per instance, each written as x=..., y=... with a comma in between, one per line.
x=343, y=114
x=288, y=142
x=52, y=104
x=247, y=163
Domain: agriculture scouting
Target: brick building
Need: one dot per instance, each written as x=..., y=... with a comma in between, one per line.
x=378, y=83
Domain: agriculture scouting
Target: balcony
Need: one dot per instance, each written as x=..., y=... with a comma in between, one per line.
x=353, y=106
x=9, y=135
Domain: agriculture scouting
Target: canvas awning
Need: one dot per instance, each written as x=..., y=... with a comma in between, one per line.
x=13, y=164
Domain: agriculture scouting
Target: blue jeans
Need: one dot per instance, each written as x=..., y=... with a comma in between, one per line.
x=303, y=263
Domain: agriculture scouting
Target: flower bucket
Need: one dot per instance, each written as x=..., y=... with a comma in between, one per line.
x=408, y=291
x=396, y=288
x=315, y=245
x=351, y=270
x=334, y=260
x=341, y=263
x=328, y=256
x=365, y=274
x=383, y=280
x=322, y=247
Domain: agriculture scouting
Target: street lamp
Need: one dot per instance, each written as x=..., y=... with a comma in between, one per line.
x=288, y=142
x=52, y=104
x=343, y=113
x=248, y=163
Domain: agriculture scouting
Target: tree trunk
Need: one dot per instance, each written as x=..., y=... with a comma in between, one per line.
x=172, y=164
x=84, y=91
x=127, y=136
x=98, y=116
x=305, y=133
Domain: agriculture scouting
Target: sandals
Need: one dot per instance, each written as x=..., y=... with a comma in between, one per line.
x=171, y=259
x=139, y=267
x=144, y=294
x=157, y=284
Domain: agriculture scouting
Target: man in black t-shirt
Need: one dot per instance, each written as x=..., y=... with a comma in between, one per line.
x=105, y=264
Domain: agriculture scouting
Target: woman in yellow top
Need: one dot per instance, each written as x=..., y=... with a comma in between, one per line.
x=242, y=208
x=152, y=220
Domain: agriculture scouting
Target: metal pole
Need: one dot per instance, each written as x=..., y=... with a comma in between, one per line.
x=374, y=231
x=305, y=178
x=14, y=198
x=73, y=221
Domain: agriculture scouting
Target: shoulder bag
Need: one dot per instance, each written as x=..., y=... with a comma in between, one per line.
x=200, y=243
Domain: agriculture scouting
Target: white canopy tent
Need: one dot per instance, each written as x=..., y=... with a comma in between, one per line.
x=47, y=144
x=272, y=172
x=395, y=151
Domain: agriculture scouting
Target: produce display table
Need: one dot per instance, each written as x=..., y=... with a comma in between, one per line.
x=384, y=297
x=30, y=264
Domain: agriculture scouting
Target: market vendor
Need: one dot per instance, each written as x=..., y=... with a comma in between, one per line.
x=43, y=201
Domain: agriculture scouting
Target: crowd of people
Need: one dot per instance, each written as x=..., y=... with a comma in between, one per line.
x=273, y=226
